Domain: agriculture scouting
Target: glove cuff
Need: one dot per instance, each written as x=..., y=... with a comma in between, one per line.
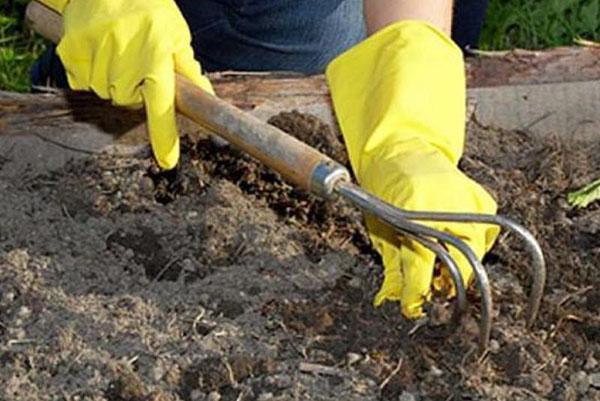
x=56, y=5
x=404, y=83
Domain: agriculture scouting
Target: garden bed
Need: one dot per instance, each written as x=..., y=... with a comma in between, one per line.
x=118, y=283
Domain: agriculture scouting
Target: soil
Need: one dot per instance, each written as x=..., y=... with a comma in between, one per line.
x=221, y=282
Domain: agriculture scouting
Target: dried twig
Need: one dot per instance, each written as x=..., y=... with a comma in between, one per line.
x=306, y=367
x=230, y=373
x=392, y=374
x=165, y=269
x=197, y=320
x=577, y=293
x=419, y=324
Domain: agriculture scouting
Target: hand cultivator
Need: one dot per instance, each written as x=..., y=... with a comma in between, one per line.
x=317, y=173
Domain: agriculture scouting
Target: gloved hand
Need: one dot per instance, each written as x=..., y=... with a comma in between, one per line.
x=399, y=98
x=129, y=51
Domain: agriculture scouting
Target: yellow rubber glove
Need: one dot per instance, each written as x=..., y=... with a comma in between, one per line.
x=56, y=5
x=129, y=51
x=399, y=98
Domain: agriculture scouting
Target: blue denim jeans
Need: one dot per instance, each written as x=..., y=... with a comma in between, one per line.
x=274, y=35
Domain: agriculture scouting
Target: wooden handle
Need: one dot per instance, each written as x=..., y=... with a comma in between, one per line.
x=293, y=159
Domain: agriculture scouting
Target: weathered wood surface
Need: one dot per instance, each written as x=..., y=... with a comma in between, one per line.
x=548, y=92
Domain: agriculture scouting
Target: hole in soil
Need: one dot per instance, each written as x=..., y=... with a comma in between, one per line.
x=147, y=251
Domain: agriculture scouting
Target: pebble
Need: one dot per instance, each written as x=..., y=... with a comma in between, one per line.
x=188, y=265
x=435, y=371
x=197, y=395
x=204, y=299
x=213, y=396
x=280, y=381
x=406, y=396
x=570, y=394
x=355, y=282
x=157, y=372
x=19, y=258
x=16, y=333
x=594, y=379
x=8, y=296
x=146, y=185
x=265, y=397
x=580, y=381
x=352, y=358
x=24, y=312
x=542, y=383
x=494, y=345
x=591, y=363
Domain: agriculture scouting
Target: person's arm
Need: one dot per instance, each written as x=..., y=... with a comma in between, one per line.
x=400, y=100
x=381, y=13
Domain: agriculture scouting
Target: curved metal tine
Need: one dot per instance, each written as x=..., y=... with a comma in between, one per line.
x=395, y=217
x=480, y=274
x=538, y=267
x=445, y=258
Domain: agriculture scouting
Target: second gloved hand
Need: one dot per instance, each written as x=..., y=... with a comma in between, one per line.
x=128, y=51
x=399, y=97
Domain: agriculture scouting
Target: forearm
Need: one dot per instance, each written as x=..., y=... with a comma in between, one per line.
x=380, y=13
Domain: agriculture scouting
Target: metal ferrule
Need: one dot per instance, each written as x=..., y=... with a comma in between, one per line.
x=325, y=177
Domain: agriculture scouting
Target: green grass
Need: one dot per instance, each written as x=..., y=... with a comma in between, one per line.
x=532, y=24
x=19, y=47
x=538, y=24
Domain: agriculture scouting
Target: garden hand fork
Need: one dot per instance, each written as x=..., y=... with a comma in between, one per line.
x=307, y=168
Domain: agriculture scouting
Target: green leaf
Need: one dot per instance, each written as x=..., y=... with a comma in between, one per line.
x=586, y=195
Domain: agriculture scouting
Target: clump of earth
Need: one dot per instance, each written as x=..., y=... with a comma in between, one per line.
x=222, y=282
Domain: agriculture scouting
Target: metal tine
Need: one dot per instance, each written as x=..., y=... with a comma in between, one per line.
x=395, y=217
x=538, y=266
x=444, y=256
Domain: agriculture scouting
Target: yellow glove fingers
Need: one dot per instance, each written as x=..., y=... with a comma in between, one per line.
x=186, y=65
x=387, y=243
x=159, y=100
x=417, y=271
x=120, y=50
x=408, y=269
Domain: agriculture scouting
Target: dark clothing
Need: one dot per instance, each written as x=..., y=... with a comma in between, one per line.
x=275, y=35
x=267, y=35
x=469, y=16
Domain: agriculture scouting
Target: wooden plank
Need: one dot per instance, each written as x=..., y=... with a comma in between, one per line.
x=525, y=67
x=552, y=92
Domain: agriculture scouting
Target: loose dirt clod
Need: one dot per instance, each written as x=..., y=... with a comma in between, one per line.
x=221, y=282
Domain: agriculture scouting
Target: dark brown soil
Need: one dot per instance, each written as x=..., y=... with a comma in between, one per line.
x=221, y=282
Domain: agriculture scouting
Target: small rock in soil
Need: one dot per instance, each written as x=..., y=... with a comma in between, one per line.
x=580, y=381
x=594, y=380
x=406, y=396
x=541, y=383
x=590, y=363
